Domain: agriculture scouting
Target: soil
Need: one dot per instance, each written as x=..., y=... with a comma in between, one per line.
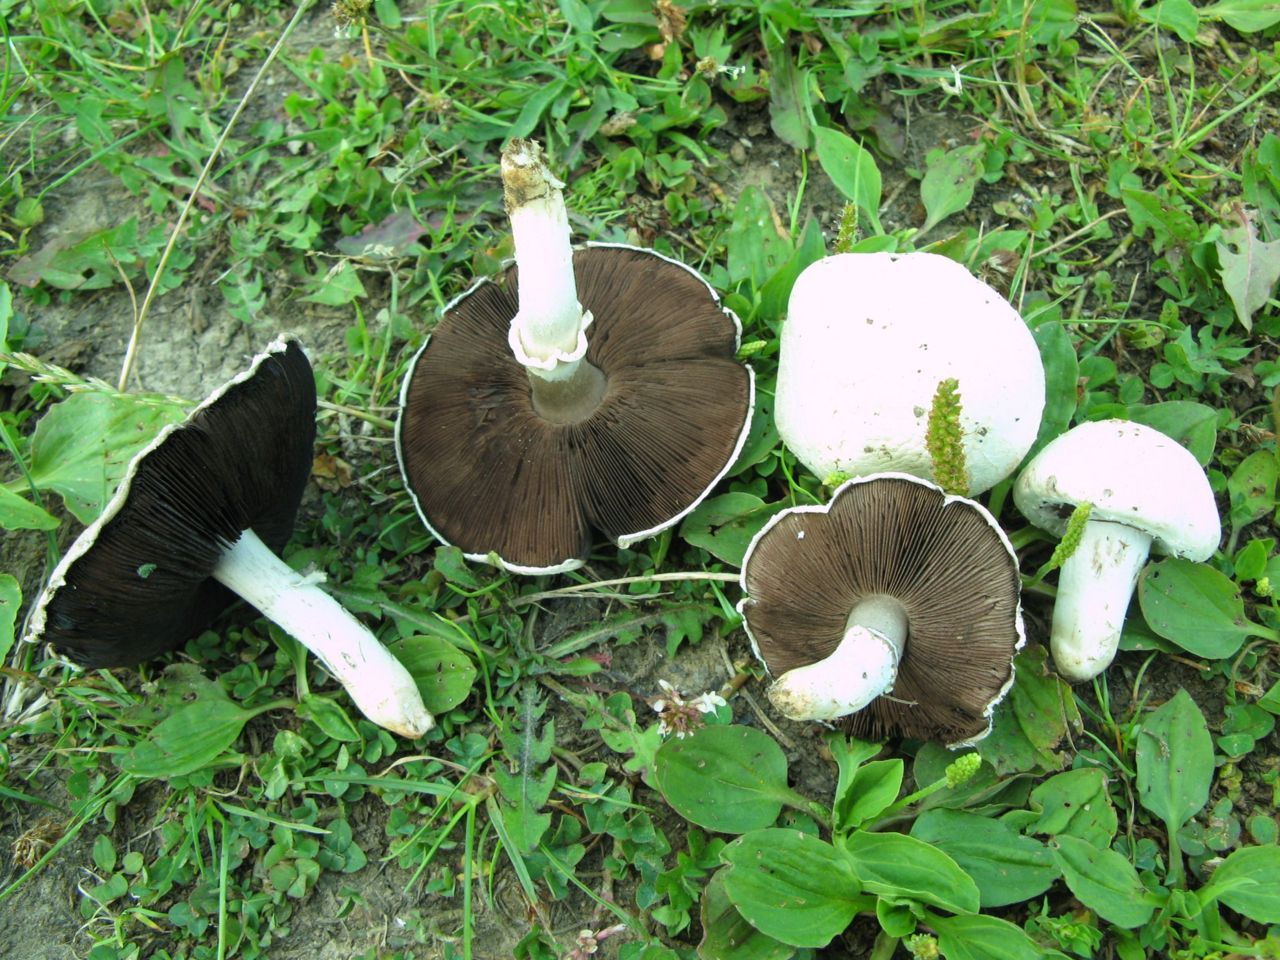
x=190, y=346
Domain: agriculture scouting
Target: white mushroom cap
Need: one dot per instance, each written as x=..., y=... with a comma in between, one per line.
x=867, y=340
x=1131, y=474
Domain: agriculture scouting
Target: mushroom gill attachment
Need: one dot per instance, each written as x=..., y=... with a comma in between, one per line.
x=138, y=583
x=498, y=463
x=208, y=506
x=888, y=550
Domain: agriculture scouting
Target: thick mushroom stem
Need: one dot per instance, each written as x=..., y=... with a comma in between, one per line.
x=379, y=684
x=1094, y=588
x=548, y=332
x=861, y=668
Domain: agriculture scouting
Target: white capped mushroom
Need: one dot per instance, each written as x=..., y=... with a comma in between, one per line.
x=868, y=338
x=1147, y=492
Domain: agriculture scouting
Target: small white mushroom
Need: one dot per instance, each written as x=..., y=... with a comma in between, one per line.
x=868, y=338
x=1147, y=492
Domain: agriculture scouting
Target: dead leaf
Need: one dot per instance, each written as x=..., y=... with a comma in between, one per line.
x=331, y=473
x=1250, y=272
x=393, y=237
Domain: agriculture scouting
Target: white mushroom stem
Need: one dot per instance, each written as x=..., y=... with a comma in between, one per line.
x=379, y=684
x=861, y=668
x=548, y=332
x=1094, y=588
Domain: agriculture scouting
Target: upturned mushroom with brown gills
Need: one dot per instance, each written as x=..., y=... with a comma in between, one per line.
x=592, y=389
x=895, y=606
x=200, y=517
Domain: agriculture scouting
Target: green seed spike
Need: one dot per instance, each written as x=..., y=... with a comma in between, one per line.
x=836, y=478
x=962, y=769
x=848, y=231
x=1071, y=538
x=922, y=946
x=944, y=439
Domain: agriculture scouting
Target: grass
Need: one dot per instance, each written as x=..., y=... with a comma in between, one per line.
x=1115, y=170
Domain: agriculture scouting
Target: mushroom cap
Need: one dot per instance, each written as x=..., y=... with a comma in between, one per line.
x=868, y=338
x=943, y=558
x=490, y=475
x=136, y=582
x=1131, y=474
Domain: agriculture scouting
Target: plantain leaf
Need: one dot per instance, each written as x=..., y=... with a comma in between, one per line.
x=1175, y=761
x=726, y=778
x=83, y=445
x=792, y=886
x=1103, y=881
x=895, y=865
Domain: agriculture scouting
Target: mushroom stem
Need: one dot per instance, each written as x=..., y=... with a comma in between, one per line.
x=1094, y=588
x=379, y=684
x=861, y=668
x=547, y=333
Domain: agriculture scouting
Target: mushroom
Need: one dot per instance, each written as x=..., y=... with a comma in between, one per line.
x=893, y=586
x=1146, y=492
x=868, y=338
x=200, y=515
x=590, y=389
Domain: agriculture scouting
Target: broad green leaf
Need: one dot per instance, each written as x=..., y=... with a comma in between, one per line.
x=329, y=717
x=895, y=865
x=789, y=110
x=1103, y=881
x=522, y=815
x=1194, y=425
x=895, y=919
x=340, y=286
x=871, y=789
x=1175, y=761
x=443, y=673
x=1061, y=374
x=725, y=778
x=1075, y=803
x=1169, y=223
x=724, y=525
x=949, y=182
x=755, y=245
x=523, y=780
x=776, y=290
x=10, y=601
x=1246, y=882
x=1247, y=16
x=6, y=314
x=1195, y=606
x=83, y=445
x=1037, y=715
x=983, y=938
x=1270, y=701
x=1252, y=488
x=187, y=740
x=1007, y=866
x=792, y=886
x=18, y=513
x=849, y=755
x=852, y=169
x=579, y=16
x=1176, y=15
x=726, y=932
x=1250, y=271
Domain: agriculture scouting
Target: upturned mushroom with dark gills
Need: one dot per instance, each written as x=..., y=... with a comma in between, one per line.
x=895, y=606
x=200, y=516
x=592, y=389
x=1146, y=492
